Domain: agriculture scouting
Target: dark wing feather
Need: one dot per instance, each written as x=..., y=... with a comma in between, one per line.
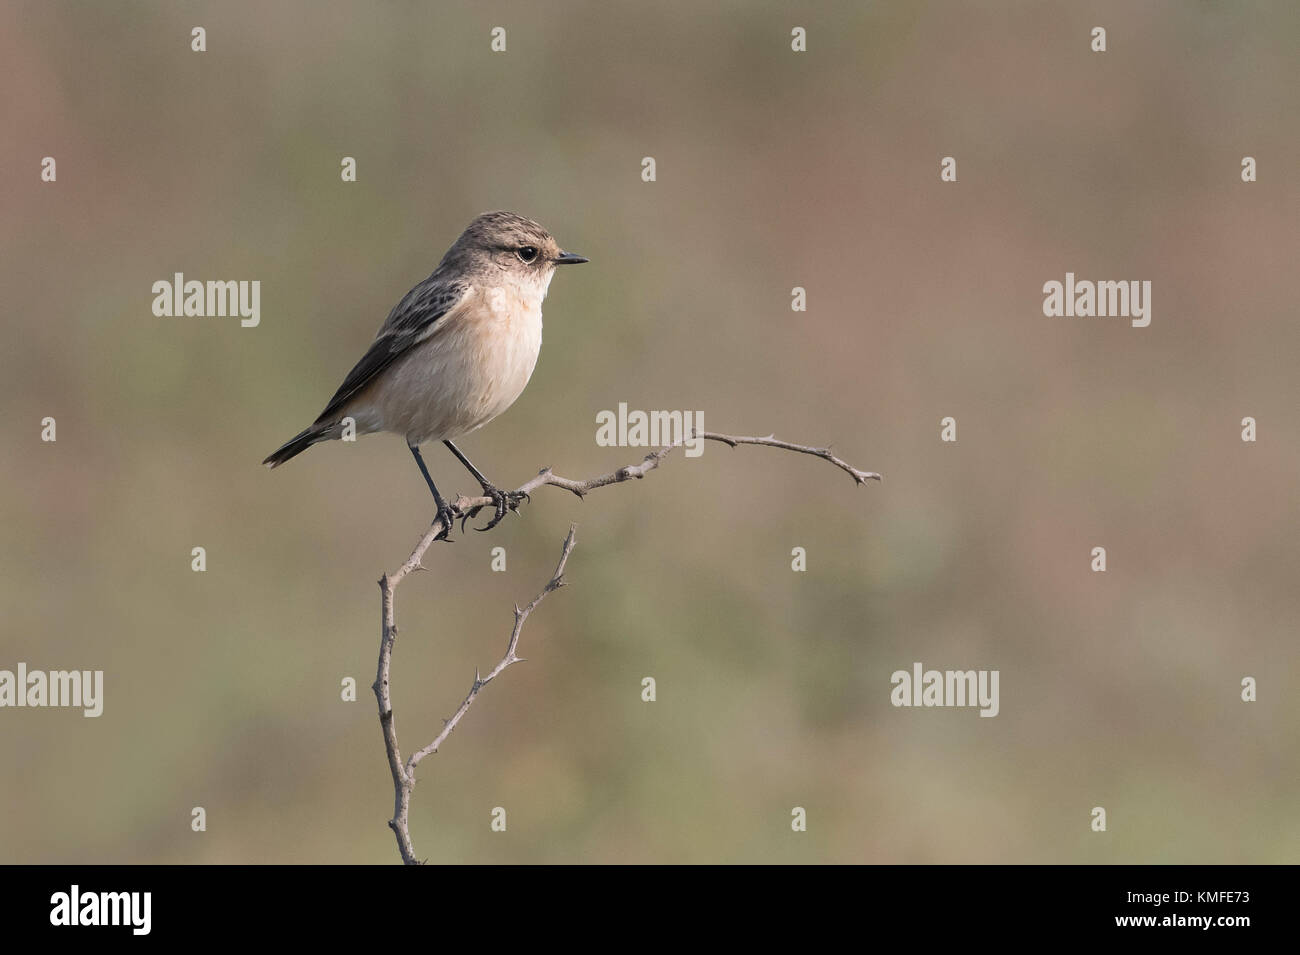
x=410, y=322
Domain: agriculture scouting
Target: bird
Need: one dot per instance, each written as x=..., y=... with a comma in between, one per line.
x=453, y=354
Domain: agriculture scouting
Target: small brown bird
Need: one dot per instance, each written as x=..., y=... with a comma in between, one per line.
x=454, y=353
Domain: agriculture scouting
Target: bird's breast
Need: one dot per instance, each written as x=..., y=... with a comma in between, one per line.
x=508, y=339
x=470, y=369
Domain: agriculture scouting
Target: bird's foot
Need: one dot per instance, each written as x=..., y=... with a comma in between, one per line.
x=447, y=514
x=503, y=501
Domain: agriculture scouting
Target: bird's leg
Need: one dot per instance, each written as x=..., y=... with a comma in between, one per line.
x=504, y=501
x=445, y=512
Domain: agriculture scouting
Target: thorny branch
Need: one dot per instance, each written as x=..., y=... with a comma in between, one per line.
x=404, y=773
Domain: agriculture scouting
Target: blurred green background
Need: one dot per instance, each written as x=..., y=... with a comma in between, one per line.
x=775, y=169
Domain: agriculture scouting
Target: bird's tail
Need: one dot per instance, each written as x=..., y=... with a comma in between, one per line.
x=301, y=442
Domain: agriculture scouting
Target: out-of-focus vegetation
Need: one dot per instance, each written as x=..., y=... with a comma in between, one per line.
x=774, y=170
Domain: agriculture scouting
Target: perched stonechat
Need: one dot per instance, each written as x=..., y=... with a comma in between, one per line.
x=454, y=353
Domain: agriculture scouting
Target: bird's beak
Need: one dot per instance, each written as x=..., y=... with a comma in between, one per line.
x=568, y=258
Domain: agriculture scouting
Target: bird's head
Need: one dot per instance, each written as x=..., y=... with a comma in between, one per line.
x=497, y=242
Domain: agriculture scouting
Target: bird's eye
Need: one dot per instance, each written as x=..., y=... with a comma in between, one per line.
x=527, y=254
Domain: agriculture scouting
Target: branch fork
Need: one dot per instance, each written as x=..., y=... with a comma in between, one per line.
x=404, y=772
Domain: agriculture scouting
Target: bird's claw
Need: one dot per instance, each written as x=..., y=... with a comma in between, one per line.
x=503, y=502
x=447, y=515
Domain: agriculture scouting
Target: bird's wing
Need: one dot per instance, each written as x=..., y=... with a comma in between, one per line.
x=421, y=312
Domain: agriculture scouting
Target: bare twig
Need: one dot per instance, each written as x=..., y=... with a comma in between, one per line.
x=547, y=477
x=556, y=582
x=404, y=773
